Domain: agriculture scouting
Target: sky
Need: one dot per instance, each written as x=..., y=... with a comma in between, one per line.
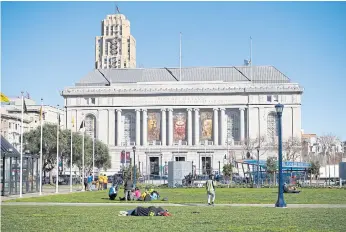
x=47, y=46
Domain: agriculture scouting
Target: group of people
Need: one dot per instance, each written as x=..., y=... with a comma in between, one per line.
x=133, y=194
x=100, y=184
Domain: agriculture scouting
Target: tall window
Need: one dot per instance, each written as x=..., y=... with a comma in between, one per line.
x=90, y=125
x=129, y=127
x=233, y=125
x=272, y=126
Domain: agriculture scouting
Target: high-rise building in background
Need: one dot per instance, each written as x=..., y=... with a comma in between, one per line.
x=116, y=47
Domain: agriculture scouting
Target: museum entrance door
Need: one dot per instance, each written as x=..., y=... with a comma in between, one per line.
x=154, y=165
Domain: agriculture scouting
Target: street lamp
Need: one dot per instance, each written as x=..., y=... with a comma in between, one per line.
x=280, y=202
x=134, y=166
x=258, y=168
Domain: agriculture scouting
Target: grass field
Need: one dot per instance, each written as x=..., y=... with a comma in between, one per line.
x=63, y=218
x=223, y=195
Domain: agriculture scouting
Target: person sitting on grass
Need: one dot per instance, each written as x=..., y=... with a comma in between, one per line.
x=290, y=189
x=113, y=191
x=129, y=197
x=137, y=194
x=154, y=195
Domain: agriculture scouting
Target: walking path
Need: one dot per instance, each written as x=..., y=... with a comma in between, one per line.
x=169, y=205
x=46, y=191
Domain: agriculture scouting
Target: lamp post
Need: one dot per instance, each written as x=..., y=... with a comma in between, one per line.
x=280, y=202
x=134, y=166
x=258, y=167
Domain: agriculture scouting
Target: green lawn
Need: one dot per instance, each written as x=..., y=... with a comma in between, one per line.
x=223, y=195
x=64, y=218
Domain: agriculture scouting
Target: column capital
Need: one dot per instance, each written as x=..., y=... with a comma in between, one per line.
x=137, y=110
x=144, y=110
x=118, y=110
x=215, y=109
x=222, y=109
x=170, y=109
x=242, y=108
x=163, y=109
x=196, y=109
x=188, y=109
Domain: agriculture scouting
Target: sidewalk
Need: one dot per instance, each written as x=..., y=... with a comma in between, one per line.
x=315, y=206
x=46, y=190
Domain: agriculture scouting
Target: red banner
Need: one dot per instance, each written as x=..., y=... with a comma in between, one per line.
x=125, y=157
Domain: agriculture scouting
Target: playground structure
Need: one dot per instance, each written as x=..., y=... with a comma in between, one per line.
x=254, y=171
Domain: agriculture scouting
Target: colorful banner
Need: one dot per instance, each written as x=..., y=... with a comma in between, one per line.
x=179, y=123
x=125, y=157
x=206, y=125
x=154, y=126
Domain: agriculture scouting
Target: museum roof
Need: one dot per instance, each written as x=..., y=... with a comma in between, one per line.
x=260, y=74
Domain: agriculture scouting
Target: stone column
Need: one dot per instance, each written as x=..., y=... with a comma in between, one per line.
x=145, y=127
x=242, y=124
x=170, y=127
x=119, y=127
x=216, y=126
x=196, y=126
x=189, y=127
x=223, y=126
x=111, y=130
x=163, y=127
x=138, y=127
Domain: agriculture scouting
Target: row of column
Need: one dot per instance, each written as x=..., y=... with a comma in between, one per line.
x=216, y=120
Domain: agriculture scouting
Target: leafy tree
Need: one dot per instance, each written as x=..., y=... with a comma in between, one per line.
x=49, y=149
x=128, y=172
x=271, y=165
x=314, y=170
x=227, y=171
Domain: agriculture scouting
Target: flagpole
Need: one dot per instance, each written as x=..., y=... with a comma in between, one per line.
x=41, y=154
x=180, y=59
x=57, y=154
x=21, y=152
x=71, y=156
x=83, y=156
x=93, y=158
x=251, y=55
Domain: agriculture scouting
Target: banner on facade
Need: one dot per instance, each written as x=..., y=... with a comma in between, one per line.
x=179, y=122
x=154, y=126
x=206, y=126
x=125, y=157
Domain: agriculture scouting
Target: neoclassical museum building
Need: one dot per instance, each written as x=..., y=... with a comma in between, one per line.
x=199, y=114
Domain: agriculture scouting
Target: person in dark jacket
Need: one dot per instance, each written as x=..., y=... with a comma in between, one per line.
x=150, y=211
x=127, y=189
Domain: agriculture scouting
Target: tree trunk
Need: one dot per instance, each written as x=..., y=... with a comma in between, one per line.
x=51, y=177
x=310, y=178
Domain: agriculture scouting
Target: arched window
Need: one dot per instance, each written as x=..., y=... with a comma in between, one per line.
x=233, y=125
x=272, y=126
x=129, y=127
x=90, y=125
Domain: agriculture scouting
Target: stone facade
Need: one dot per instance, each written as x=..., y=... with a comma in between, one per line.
x=203, y=121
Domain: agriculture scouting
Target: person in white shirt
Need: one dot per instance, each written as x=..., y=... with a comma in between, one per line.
x=210, y=186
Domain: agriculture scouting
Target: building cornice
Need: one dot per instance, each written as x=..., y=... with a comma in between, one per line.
x=198, y=88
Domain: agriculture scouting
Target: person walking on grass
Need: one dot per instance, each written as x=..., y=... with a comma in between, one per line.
x=210, y=186
x=90, y=181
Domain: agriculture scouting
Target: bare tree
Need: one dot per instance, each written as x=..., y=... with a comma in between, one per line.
x=327, y=142
x=250, y=146
x=292, y=148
